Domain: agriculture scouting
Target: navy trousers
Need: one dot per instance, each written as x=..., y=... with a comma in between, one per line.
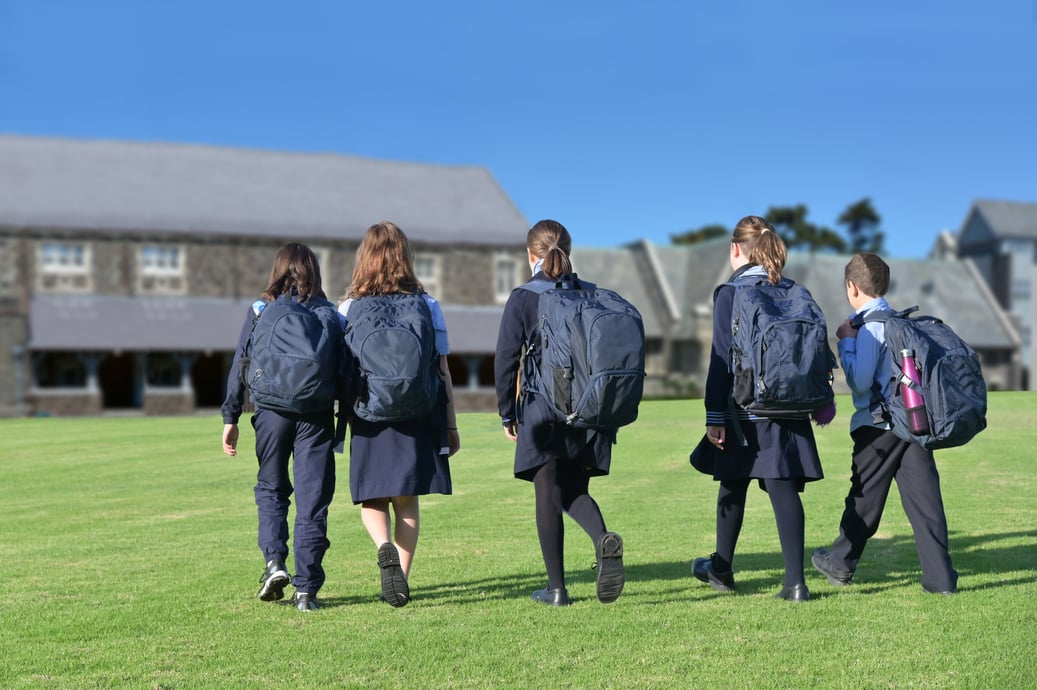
x=309, y=441
x=879, y=457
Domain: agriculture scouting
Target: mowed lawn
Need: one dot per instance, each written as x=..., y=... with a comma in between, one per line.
x=129, y=561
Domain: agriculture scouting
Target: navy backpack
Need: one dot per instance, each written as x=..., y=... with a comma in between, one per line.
x=294, y=358
x=952, y=383
x=780, y=357
x=592, y=354
x=393, y=342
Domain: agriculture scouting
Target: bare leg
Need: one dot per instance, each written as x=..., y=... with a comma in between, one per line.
x=406, y=509
x=375, y=516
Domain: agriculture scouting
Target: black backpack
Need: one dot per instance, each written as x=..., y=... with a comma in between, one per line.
x=393, y=341
x=780, y=357
x=592, y=354
x=294, y=358
x=952, y=384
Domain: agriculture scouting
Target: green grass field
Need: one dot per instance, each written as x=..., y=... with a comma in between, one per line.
x=129, y=561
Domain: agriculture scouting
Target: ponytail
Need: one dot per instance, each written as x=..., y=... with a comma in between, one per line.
x=763, y=245
x=550, y=241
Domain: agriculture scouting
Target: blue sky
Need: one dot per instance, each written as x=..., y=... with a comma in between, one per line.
x=623, y=120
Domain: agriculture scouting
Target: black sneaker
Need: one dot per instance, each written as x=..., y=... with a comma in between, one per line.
x=395, y=591
x=273, y=581
x=722, y=581
x=610, y=567
x=822, y=562
x=305, y=602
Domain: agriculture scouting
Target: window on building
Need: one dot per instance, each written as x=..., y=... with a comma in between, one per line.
x=159, y=260
x=426, y=267
x=162, y=370
x=162, y=269
x=64, y=266
x=60, y=370
x=505, y=276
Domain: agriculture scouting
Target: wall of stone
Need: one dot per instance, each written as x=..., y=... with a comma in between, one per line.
x=70, y=403
x=176, y=402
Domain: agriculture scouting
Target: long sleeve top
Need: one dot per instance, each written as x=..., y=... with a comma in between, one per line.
x=719, y=380
x=866, y=363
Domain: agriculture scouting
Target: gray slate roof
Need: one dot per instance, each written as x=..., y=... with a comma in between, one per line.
x=1008, y=218
x=170, y=324
x=616, y=269
x=950, y=290
x=158, y=188
x=694, y=272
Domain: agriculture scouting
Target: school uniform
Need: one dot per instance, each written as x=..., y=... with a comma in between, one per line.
x=775, y=449
x=309, y=440
x=781, y=454
x=407, y=458
x=541, y=437
x=558, y=459
x=879, y=457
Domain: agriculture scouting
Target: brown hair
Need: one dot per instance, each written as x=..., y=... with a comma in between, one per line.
x=762, y=244
x=550, y=241
x=384, y=263
x=296, y=270
x=869, y=273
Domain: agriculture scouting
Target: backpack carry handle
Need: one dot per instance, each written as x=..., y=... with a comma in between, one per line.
x=881, y=315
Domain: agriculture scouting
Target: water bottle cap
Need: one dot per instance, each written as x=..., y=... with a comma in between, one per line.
x=907, y=352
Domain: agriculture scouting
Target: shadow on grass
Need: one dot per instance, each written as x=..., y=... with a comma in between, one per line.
x=889, y=563
x=892, y=562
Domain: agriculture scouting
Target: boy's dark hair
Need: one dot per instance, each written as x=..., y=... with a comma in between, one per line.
x=869, y=273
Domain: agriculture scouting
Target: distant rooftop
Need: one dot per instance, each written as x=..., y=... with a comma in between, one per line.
x=94, y=185
x=1008, y=218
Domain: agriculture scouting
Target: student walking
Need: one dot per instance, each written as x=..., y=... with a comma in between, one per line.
x=559, y=460
x=395, y=457
x=879, y=455
x=306, y=435
x=779, y=453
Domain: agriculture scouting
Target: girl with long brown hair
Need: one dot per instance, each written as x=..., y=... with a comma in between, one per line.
x=391, y=464
x=307, y=438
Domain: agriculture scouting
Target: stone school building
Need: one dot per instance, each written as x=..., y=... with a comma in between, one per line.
x=126, y=269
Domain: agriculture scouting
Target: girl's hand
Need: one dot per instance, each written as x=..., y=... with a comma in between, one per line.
x=511, y=432
x=716, y=435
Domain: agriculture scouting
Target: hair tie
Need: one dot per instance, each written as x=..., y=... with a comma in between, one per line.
x=553, y=246
x=765, y=230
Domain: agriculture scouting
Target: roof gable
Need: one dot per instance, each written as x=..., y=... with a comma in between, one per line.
x=1003, y=218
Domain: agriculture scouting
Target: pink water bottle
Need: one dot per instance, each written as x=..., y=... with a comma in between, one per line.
x=914, y=404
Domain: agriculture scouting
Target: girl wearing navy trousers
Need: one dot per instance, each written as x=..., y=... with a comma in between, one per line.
x=780, y=454
x=391, y=464
x=308, y=439
x=556, y=458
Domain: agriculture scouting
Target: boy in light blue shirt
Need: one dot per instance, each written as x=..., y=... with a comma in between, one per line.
x=879, y=455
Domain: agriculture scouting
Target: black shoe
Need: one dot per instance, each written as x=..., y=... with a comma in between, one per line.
x=822, y=561
x=610, y=567
x=942, y=592
x=554, y=597
x=273, y=581
x=793, y=593
x=305, y=602
x=395, y=591
x=720, y=581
